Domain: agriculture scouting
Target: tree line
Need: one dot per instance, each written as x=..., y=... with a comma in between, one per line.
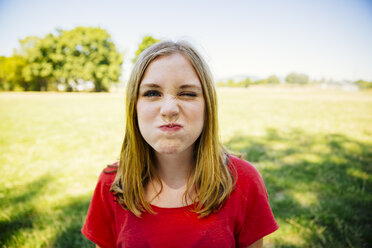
x=85, y=58
x=290, y=79
x=248, y=82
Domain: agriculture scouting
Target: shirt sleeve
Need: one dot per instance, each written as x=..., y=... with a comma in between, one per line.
x=99, y=226
x=256, y=219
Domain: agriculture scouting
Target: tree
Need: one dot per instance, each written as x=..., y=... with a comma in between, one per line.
x=362, y=84
x=296, y=78
x=80, y=54
x=11, y=72
x=261, y=81
x=89, y=54
x=2, y=73
x=273, y=80
x=247, y=82
x=147, y=41
x=39, y=67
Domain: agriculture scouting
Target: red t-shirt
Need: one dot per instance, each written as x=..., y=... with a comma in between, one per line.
x=245, y=218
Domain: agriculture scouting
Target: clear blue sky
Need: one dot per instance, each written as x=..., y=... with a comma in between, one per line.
x=322, y=38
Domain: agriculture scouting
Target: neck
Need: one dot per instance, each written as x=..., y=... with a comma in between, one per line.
x=174, y=169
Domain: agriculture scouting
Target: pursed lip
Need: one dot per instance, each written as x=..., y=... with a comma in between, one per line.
x=171, y=127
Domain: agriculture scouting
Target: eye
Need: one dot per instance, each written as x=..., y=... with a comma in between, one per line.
x=188, y=94
x=151, y=93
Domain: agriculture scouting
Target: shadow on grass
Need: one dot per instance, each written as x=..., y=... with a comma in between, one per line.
x=319, y=185
x=22, y=214
x=73, y=216
x=20, y=217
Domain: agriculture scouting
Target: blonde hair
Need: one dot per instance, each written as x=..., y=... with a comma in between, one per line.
x=212, y=177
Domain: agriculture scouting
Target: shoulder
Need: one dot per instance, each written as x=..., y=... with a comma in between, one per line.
x=248, y=178
x=102, y=192
x=244, y=169
x=107, y=176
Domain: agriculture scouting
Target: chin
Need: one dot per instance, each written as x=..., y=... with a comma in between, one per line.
x=168, y=150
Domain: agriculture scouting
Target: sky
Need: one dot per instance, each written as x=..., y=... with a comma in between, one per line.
x=329, y=39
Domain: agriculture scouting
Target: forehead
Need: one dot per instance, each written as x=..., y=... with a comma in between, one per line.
x=174, y=69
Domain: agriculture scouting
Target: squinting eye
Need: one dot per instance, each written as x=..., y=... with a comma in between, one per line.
x=191, y=94
x=151, y=93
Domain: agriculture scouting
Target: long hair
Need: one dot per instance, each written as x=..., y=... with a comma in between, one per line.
x=211, y=176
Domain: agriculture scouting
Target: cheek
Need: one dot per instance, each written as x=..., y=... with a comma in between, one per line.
x=196, y=114
x=145, y=112
x=145, y=117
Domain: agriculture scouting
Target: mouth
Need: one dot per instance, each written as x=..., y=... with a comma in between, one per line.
x=171, y=127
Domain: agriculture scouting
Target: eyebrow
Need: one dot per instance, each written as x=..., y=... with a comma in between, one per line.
x=192, y=86
x=150, y=86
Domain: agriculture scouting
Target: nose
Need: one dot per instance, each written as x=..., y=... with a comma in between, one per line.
x=169, y=108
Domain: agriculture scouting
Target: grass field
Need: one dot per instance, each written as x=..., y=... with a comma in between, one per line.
x=313, y=148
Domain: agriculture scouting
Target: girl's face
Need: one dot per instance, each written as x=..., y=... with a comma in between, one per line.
x=170, y=105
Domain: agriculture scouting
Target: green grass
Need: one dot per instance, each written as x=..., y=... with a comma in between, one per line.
x=313, y=148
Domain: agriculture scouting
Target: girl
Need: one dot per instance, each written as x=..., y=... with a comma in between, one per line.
x=175, y=185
